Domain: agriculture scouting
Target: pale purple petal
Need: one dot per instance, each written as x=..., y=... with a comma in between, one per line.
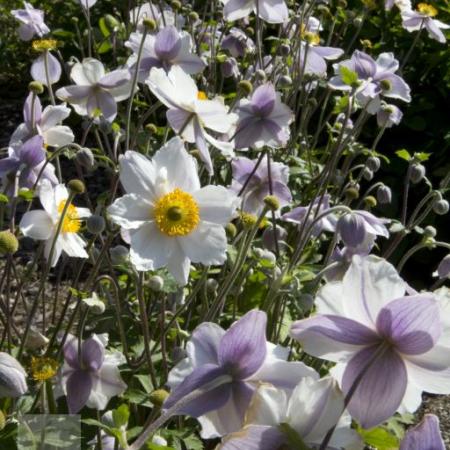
x=78, y=389
x=32, y=151
x=254, y=437
x=365, y=66
x=38, y=71
x=424, y=436
x=398, y=88
x=115, y=79
x=102, y=101
x=92, y=354
x=167, y=43
x=27, y=109
x=273, y=11
x=263, y=100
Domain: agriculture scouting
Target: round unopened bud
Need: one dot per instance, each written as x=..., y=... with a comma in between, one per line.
x=111, y=22
x=429, y=232
x=211, y=285
x=417, y=173
x=95, y=224
x=373, y=163
x=272, y=202
x=151, y=128
x=76, y=186
x=441, y=207
x=159, y=441
x=367, y=174
x=156, y=283
x=158, y=397
x=230, y=230
x=176, y=5
x=370, y=201
x=245, y=87
x=358, y=21
x=36, y=87
x=250, y=31
x=221, y=58
x=324, y=10
x=85, y=158
x=260, y=75
x=8, y=243
x=149, y=24
x=285, y=81
x=193, y=17
x=384, y=194
x=352, y=193
x=248, y=220
x=119, y=254
x=285, y=49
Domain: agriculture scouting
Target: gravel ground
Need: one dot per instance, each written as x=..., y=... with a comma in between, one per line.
x=440, y=406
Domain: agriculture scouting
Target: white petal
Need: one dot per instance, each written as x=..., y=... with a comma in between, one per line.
x=73, y=245
x=53, y=115
x=217, y=204
x=137, y=174
x=37, y=225
x=88, y=72
x=203, y=351
x=107, y=383
x=214, y=115
x=179, y=264
x=131, y=211
x=267, y=407
x=58, y=136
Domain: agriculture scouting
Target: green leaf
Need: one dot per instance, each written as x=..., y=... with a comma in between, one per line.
x=121, y=416
x=341, y=105
x=4, y=198
x=379, y=438
x=422, y=156
x=403, y=154
x=26, y=194
x=103, y=27
x=293, y=437
x=349, y=77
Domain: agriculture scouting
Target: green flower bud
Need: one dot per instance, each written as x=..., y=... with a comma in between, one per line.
x=95, y=224
x=352, y=193
x=111, y=22
x=176, y=5
x=248, y=220
x=36, y=87
x=193, y=17
x=8, y=243
x=158, y=397
x=76, y=186
x=370, y=201
x=156, y=283
x=429, y=232
x=245, y=87
x=149, y=24
x=272, y=202
x=230, y=230
x=441, y=207
x=212, y=285
x=85, y=158
x=151, y=128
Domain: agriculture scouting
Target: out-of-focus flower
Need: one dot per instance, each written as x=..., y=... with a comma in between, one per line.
x=395, y=343
x=424, y=436
x=32, y=22
x=384, y=194
x=388, y=115
x=238, y=43
x=424, y=18
x=13, y=381
x=271, y=11
x=46, y=68
x=169, y=47
x=170, y=219
x=190, y=111
x=45, y=123
x=443, y=270
x=87, y=3
x=311, y=410
x=29, y=159
x=96, y=92
x=90, y=378
x=263, y=119
x=43, y=224
x=230, y=68
x=402, y=5
x=257, y=187
x=241, y=357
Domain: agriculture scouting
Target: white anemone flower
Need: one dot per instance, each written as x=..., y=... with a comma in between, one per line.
x=169, y=218
x=190, y=111
x=42, y=225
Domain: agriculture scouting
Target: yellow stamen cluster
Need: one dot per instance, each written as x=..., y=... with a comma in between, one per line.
x=177, y=213
x=202, y=95
x=71, y=222
x=427, y=10
x=41, y=45
x=43, y=368
x=310, y=37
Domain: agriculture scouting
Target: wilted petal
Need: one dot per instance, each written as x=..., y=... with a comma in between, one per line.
x=424, y=436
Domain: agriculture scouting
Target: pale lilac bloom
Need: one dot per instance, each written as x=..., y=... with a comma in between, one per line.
x=424, y=18
x=38, y=70
x=298, y=215
x=92, y=377
x=169, y=47
x=32, y=22
x=241, y=358
x=96, y=92
x=313, y=58
x=424, y=436
x=376, y=77
x=311, y=410
x=29, y=158
x=190, y=112
x=263, y=119
x=238, y=43
x=388, y=115
x=271, y=11
x=13, y=378
x=402, y=5
x=257, y=188
x=366, y=323
x=46, y=124
x=163, y=16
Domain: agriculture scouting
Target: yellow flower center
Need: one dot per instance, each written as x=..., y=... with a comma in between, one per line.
x=428, y=10
x=43, y=368
x=41, y=45
x=202, y=95
x=71, y=222
x=177, y=213
x=310, y=37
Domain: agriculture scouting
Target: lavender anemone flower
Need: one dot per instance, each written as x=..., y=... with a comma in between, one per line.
x=263, y=119
x=388, y=115
x=424, y=436
x=271, y=11
x=377, y=78
x=423, y=18
x=240, y=356
x=388, y=346
x=258, y=187
x=28, y=158
x=90, y=378
x=43, y=122
x=32, y=22
x=311, y=410
x=95, y=92
x=13, y=381
x=169, y=47
x=238, y=43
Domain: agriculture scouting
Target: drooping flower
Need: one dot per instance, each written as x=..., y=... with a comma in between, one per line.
x=169, y=47
x=45, y=123
x=240, y=356
x=257, y=185
x=29, y=159
x=424, y=436
x=388, y=115
x=238, y=43
x=170, y=219
x=424, y=18
x=96, y=92
x=46, y=68
x=263, y=119
x=90, y=377
x=32, y=22
x=13, y=381
x=190, y=111
x=42, y=224
x=311, y=410
x=271, y=11
x=388, y=346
